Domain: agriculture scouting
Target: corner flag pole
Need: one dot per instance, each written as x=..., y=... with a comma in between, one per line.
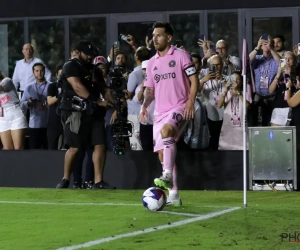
x=246, y=95
x=245, y=141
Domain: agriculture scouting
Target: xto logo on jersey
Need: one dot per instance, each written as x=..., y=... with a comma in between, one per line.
x=161, y=77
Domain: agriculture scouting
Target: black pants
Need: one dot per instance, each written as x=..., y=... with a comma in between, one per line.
x=53, y=138
x=214, y=130
x=38, y=138
x=146, y=136
x=89, y=167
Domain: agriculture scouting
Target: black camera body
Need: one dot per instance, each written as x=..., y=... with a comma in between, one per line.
x=117, y=81
x=121, y=128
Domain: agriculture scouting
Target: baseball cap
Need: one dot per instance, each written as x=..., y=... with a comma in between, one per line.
x=99, y=60
x=145, y=64
x=86, y=47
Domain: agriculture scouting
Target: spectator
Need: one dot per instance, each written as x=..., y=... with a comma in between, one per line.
x=231, y=137
x=286, y=71
x=265, y=68
x=146, y=130
x=35, y=98
x=54, y=125
x=12, y=119
x=197, y=61
x=230, y=63
x=212, y=86
x=293, y=100
x=279, y=45
x=135, y=79
x=23, y=76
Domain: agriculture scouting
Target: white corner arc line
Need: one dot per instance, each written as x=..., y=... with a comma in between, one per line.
x=149, y=230
x=68, y=204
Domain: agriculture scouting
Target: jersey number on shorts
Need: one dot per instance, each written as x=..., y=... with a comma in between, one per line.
x=178, y=118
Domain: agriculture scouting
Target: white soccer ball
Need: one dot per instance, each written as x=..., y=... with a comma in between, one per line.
x=154, y=199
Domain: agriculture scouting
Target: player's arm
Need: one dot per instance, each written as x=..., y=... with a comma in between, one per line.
x=194, y=87
x=148, y=96
x=191, y=72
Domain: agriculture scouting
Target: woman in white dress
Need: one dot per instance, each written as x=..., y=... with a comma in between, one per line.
x=12, y=119
x=231, y=137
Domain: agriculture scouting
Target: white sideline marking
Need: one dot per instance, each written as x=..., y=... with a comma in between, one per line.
x=178, y=213
x=68, y=204
x=149, y=230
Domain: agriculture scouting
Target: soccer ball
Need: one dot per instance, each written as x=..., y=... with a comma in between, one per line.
x=154, y=199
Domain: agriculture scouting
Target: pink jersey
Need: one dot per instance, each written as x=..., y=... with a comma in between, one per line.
x=169, y=75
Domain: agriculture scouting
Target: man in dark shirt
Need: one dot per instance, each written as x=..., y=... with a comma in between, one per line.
x=54, y=125
x=84, y=128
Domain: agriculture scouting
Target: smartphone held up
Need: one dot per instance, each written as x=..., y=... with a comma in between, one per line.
x=265, y=37
x=282, y=63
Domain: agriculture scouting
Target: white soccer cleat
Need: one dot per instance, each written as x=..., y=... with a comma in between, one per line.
x=173, y=202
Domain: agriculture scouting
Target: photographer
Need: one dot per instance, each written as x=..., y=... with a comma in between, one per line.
x=83, y=113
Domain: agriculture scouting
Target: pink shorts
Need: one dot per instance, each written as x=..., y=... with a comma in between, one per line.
x=173, y=117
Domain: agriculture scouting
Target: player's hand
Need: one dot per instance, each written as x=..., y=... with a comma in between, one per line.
x=143, y=113
x=189, y=110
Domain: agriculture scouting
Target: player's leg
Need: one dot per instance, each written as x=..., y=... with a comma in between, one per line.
x=168, y=136
x=173, y=197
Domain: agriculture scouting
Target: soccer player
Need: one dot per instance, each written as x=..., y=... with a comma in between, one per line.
x=171, y=79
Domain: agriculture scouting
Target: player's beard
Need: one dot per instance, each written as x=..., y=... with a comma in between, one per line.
x=160, y=47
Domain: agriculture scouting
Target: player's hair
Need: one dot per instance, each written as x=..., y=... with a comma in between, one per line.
x=165, y=25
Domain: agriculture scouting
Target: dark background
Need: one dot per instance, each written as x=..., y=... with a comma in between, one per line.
x=220, y=170
x=30, y=8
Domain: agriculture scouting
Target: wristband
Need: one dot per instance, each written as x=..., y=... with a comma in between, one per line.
x=256, y=49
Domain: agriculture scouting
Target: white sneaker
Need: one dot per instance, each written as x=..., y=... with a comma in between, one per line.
x=173, y=202
x=165, y=181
